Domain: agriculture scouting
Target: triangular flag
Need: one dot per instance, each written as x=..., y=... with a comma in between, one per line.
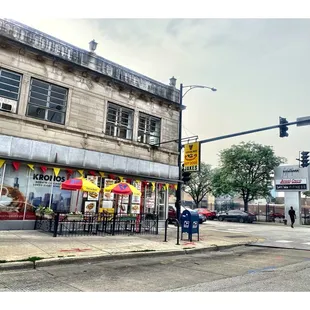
x=2, y=161
x=137, y=181
x=153, y=186
x=56, y=171
x=160, y=186
x=112, y=176
x=121, y=178
x=16, y=165
x=81, y=172
x=43, y=168
x=175, y=186
x=102, y=174
x=31, y=166
x=167, y=186
x=69, y=171
x=91, y=172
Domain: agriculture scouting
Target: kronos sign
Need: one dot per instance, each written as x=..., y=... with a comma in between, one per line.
x=291, y=178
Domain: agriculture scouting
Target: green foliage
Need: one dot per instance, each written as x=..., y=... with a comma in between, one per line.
x=200, y=184
x=245, y=170
x=307, y=193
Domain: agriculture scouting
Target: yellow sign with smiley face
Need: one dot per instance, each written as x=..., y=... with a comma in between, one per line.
x=192, y=157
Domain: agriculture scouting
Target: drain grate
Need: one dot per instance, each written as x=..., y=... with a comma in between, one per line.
x=237, y=236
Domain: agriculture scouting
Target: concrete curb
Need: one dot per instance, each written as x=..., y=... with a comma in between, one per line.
x=17, y=265
x=100, y=258
x=276, y=247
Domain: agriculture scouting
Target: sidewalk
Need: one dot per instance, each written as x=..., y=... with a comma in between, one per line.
x=44, y=249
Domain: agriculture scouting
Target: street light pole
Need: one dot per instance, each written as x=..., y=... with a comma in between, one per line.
x=179, y=188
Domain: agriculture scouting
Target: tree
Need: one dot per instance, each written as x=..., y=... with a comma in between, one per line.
x=307, y=193
x=245, y=170
x=200, y=183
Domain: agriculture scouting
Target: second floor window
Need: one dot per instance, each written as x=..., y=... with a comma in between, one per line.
x=10, y=84
x=119, y=122
x=47, y=102
x=149, y=129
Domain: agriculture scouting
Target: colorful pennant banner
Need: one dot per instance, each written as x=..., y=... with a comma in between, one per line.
x=121, y=178
x=91, y=172
x=56, y=171
x=69, y=171
x=16, y=165
x=102, y=174
x=31, y=166
x=81, y=172
x=2, y=161
x=43, y=168
x=153, y=186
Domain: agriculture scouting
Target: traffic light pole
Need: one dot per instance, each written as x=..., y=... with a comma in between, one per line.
x=251, y=131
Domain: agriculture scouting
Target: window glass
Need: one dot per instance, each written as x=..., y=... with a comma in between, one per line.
x=10, y=83
x=53, y=98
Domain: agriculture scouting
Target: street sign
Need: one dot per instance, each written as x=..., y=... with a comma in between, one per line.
x=291, y=178
x=191, y=157
x=304, y=121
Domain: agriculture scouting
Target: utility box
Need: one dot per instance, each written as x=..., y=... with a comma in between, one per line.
x=190, y=224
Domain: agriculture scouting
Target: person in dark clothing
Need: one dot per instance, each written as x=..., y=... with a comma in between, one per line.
x=292, y=215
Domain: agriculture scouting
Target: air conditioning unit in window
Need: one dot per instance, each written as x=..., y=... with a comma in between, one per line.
x=8, y=105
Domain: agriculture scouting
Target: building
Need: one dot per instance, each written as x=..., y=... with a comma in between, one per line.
x=67, y=112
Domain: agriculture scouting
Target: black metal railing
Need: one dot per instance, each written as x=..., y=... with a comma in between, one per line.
x=94, y=224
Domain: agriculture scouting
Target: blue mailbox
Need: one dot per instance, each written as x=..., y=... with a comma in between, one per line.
x=190, y=224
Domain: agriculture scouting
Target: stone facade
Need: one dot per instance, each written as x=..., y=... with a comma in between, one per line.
x=31, y=53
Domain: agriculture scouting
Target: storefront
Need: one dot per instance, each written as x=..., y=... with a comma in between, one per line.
x=24, y=187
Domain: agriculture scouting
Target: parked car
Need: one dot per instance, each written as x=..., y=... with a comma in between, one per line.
x=236, y=216
x=172, y=214
x=210, y=215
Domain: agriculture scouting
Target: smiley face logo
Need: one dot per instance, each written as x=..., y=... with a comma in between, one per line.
x=190, y=157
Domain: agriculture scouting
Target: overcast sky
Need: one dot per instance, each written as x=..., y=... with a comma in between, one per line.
x=261, y=68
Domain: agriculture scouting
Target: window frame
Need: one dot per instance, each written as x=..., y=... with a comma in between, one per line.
x=48, y=102
x=2, y=69
x=117, y=124
x=146, y=131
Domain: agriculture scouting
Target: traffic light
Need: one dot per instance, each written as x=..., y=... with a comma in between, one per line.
x=304, y=159
x=283, y=128
x=186, y=176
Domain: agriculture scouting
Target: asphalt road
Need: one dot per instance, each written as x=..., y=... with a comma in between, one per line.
x=238, y=269
x=274, y=235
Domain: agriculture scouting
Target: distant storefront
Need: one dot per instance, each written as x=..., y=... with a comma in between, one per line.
x=27, y=186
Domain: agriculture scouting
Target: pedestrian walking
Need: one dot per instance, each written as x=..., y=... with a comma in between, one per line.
x=292, y=215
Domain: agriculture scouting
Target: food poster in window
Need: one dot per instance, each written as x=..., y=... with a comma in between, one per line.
x=149, y=199
x=93, y=195
x=24, y=190
x=107, y=201
x=136, y=200
x=90, y=207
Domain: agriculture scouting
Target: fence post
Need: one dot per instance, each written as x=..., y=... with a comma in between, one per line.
x=178, y=232
x=56, y=224
x=166, y=228
x=113, y=226
x=157, y=219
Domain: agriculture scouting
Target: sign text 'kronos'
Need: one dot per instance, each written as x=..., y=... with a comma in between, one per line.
x=192, y=157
